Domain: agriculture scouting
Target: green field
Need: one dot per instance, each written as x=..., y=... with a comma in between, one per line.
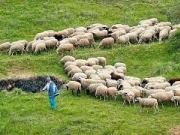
x=26, y=113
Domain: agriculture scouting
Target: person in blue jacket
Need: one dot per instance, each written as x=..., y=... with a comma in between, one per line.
x=51, y=88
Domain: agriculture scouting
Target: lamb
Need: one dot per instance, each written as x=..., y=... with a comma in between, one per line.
x=5, y=46
x=16, y=47
x=106, y=43
x=176, y=100
x=67, y=58
x=74, y=86
x=101, y=91
x=39, y=47
x=102, y=61
x=65, y=47
x=149, y=102
x=112, y=93
x=162, y=96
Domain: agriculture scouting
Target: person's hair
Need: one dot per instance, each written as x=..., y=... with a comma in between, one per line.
x=48, y=78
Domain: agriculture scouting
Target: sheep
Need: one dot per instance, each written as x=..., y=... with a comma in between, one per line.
x=42, y=34
x=163, y=34
x=172, y=32
x=65, y=47
x=123, y=84
x=162, y=85
x=176, y=91
x=16, y=47
x=133, y=36
x=176, y=83
x=111, y=83
x=76, y=76
x=112, y=93
x=91, y=89
x=119, y=64
x=127, y=96
x=100, y=34
x=70, y=67
x=80, y=62
x=149, y=92
x=69, y=63
x=162, y=96
x=86, y=82
x=148, y=102
x=118, y=32
x=106, y=43
x=90, y=62
x=51, y=43
x=134, y=81
x=67, y=58
x=104, y=75
x=94, y=59
x=90, y=72
x=5, y=46
x=94, y=76
x=74, y=86
x=33, y=44
x=97, y=67
x=147, y=36
x=84, y=68
x=24, y=42
x=81, y=29
x=73, y=71
x=85, y=42
x=39, y=47
x=121, y=26
x=122, y=39
x=102, y=61
x=176, y=100
x=152, y=80
x=101, y=91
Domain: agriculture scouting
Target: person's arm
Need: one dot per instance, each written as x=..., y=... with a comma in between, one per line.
x=45, y=87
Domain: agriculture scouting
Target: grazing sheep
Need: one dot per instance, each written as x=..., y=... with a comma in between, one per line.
x=65, y=47
x=85, y=42
x=76, y=76
x=147, y=36
x=152, y=91
x=97, y=67
x=119, y=64
x=39, y=47
x=90, y=72
x=163, y=34
x=5, y=46
x=162, y=96
x=127, y=96
x=67, y=58
x=176, y=91
x=70, y=67
x=102, y=61
x=111, y=83
x=74, y=86
x=172, y=32
x=51, y=43
x=123, y=39
x=84, y=68
x=69, y=63
x=176, y=100
x=148, y=102
x=157, y=85
x=80, y=62
x=123, y=84
x=16, y=47
x=100, y=34
x=73, y=71
x=91, y=89
x=112, y=93
x=101, y=91
x=90, y=62
x=106, y=43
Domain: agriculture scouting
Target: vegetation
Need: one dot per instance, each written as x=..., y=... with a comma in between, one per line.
x=22, y=113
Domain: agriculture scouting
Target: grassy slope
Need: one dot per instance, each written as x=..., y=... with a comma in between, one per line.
x=23, y=114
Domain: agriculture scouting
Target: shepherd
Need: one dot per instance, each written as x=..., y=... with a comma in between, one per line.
x=52, y=92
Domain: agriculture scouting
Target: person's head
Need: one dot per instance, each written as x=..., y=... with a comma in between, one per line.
x=48, y=79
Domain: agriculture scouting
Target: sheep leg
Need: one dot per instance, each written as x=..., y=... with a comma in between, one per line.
x=124, y=101
x=72, y=92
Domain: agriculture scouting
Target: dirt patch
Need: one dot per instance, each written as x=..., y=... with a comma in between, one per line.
x=174, y=131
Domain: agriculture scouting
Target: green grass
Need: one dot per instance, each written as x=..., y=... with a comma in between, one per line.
x=30, y=113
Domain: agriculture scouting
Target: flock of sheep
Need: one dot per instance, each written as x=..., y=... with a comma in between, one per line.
x=68, y=39
x=109, y=81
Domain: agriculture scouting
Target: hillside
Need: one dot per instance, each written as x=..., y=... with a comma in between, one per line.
x=23, y=113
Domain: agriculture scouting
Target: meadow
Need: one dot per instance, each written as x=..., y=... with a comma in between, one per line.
x=27, y=113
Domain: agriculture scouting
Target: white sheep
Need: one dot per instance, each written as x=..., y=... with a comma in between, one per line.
x=73, y=71
x=91, y=89
x=106, y=42
x=90, y=72
x=76, y=76
x=67, y=58
x=163, y=34
x=162, y=96
x=127, y=96
x=123, y=39
x=74, y=86
x=85, y=42
x=100, y=34
x=112, y=93
x=65, y=47
x=80, y=62
x=102, y=61
x=101, y=91
x=176, y=100
x=84, y=68
x=148, y=102
x=111, y=83
x=5, y=46
x=16, y=47
x=39, y=47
